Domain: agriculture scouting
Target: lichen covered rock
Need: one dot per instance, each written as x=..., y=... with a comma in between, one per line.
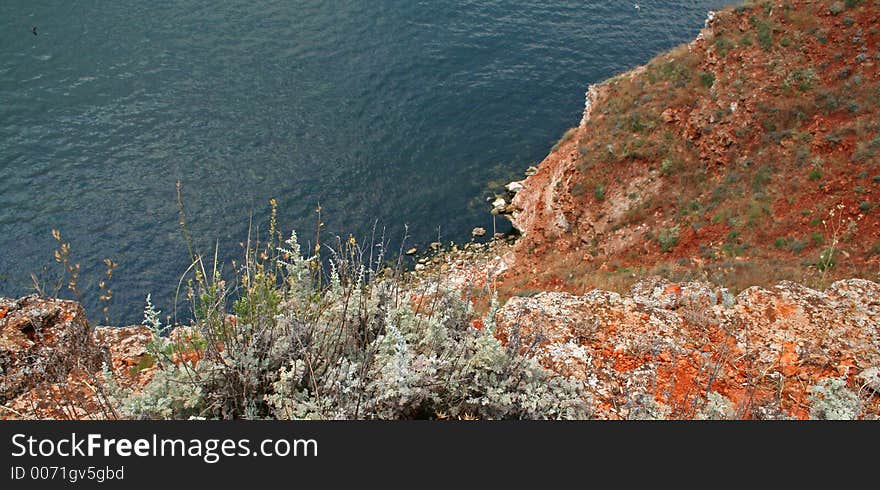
x=42, y=340
x=675, y=344
x=52, y=360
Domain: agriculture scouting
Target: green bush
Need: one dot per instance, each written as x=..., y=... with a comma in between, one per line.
x=764, y=33
x=668, y=238
x=802, y=79
x=668, y=166
x=797, y=246
x=723, y=45
x=826, y=259
x=707, y=79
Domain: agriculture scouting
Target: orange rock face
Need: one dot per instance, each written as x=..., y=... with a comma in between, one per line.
x=676, y=343
x=42, y=341
x=755, y=143
x=52, y=358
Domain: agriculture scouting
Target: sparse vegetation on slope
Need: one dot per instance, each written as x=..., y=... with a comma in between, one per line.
x=764, y=127
x=351, y=342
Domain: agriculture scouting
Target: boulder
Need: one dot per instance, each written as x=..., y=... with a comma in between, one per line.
x=680, y=344
x=43, y=340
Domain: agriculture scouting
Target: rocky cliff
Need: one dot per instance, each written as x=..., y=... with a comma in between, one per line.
x=51, y=360
x=730, y=166
x=658, y=240
x=748, y=156
x=685, y=346
x=664, y=350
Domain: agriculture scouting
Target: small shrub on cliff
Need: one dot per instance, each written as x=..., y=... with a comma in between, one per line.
x=723, y=45
x=668, y=166
x=175, y=392
x=764, y=32
x=827, y=259
x=645, y=407
x=797, y=246
x=802, y=79
x=668, y=238
x=707, y=78
x=351, y=340
x=566, y=137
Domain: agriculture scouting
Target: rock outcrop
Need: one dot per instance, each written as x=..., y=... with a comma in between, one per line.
x=675, y=344
x=42, y=341
x=674, y=350
x=51, y=360
x=755, y=142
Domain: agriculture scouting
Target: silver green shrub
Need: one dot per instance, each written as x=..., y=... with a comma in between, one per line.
x=425, y=366
x=171, y=394
x=717, y=407
x=345, y=341
x=830, y=399
x=175, y=390
x=645, y=407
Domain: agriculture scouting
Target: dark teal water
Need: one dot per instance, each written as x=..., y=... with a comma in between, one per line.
x=399, y=111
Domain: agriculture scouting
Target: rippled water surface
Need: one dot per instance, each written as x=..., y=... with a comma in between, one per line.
x=400, y=111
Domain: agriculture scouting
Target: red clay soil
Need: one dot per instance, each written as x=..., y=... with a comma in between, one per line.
x=775, y=162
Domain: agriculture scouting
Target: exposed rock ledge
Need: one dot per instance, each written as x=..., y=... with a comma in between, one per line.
x=51, y=359
x=761, y=350
x=670, y=343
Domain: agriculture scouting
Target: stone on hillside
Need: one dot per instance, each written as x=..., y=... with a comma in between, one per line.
x=514, y=187
x=42, y=340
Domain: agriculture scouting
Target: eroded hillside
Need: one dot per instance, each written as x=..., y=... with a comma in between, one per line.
x=748, y=156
